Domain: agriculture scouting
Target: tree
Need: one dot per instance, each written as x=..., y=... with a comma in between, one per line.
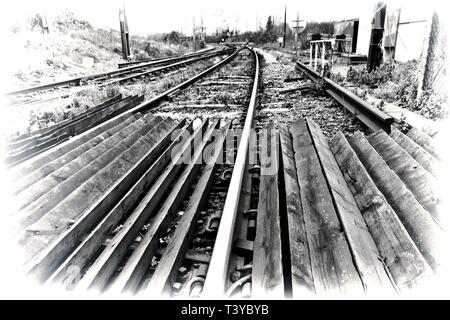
x=269, y=25
x=270, y=32
x=173, y=37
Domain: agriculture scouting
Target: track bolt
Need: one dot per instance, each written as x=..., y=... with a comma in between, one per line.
x=182, y=273
x=176, y=286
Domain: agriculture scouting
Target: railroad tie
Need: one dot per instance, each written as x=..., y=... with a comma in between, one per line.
x=67, y=211
x=29, y=166
x=421, y=183
x=421, y=226
x=404, y=262
x=44, y=195
x=104, y=226
x=425, y=141
x=40, y=173
x=364, y=250
x=102, y=269
x=301, y=273
x=331, y=259
x=422, y=156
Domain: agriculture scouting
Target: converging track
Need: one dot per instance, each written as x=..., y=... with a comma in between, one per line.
x=139, y=70
x=198, y=193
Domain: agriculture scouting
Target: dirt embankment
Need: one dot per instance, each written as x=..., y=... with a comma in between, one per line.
x=72, y=48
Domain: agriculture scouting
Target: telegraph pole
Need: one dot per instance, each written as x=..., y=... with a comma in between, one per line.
x=202, y=29
x=284, y=29
x=297, y=30
x=124, y=35
x=45, y=24
x=193, y=33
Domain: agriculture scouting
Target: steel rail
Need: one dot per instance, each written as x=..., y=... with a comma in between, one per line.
x=173, y=65
x=77, y=81
x=373, y=118
x=153, y=102
x=39, y=262
x=218, y=267
x=184, y=56
x=146, y=105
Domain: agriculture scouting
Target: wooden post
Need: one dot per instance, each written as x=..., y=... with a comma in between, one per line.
x=375, y=52
x=295, y=41
x=310, y=54
x=315, y=56
x=284, y=29
x=124, y=34
x=193, y=33
x=323, y=56
x=296, y=32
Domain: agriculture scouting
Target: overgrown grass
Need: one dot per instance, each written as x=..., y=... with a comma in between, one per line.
x=398, y=84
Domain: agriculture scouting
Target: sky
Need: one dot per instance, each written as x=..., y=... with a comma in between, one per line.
x=163, y=16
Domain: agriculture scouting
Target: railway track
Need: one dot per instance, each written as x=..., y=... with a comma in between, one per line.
x=26, y=145
x=139, y=70
x=62, y=169
x=214, y=202
x=367, y=114
x=185, y=56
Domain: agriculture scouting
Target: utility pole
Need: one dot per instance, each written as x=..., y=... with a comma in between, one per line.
x=297, y=31
x=200, y=30
x=45, y=24
x=193, y=33
x=284, y=29
x=124, y=35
